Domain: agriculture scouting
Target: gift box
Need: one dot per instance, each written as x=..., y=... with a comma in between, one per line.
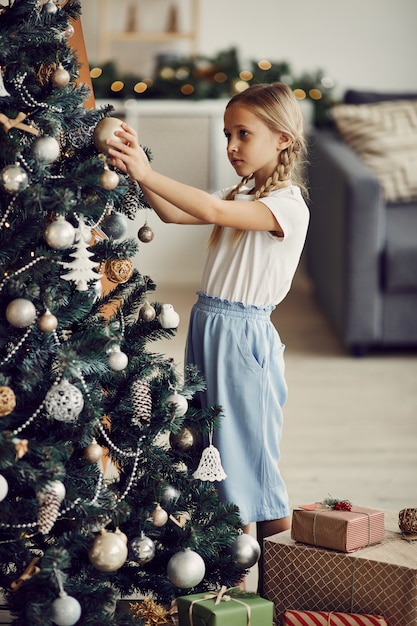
x=315, y=618
x=377, y=580
x=230, y=607
x=346, y=531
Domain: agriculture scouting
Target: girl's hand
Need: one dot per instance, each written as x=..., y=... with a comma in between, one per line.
x=127, y=155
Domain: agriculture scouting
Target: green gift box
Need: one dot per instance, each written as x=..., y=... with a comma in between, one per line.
x=231, y=607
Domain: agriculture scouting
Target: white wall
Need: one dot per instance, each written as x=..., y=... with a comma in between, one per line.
x=368, y=44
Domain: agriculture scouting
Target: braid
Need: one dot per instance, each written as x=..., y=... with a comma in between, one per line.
x=217, y=231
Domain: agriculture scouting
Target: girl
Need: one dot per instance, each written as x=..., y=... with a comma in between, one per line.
x=259, y=232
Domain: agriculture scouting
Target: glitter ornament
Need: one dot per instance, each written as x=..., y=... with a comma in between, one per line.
x=179, y=402
x=145, y=234
x=159, y=516
x=186, y=569
x=60, y=234
x=47, y=322
x=60, y=77
x=65, y=610
x=109, y=180
x=64, y=402
x=142, y=549
x=105, y=130
x=20, y=313
x=4, y=487
x=168, y=317
x=147, y=313
x=117, y=360
x=7, y=400
x=49, y=498
x=46, y=149
x=108, y=552
x=93, y=452
x=115, y=225
x=14, y=178
x=118, y=270
x=245, y=551
x=141, y=398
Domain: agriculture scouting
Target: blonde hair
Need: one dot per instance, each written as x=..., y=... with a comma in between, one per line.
x=277, y=107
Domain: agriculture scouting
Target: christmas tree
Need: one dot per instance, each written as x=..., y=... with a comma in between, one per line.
x=80, y=389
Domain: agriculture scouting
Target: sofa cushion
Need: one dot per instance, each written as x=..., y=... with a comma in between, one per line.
x=384, y=134
x=399, y=268
x=355, y=96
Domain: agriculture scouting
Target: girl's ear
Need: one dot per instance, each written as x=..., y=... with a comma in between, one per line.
x=284, y=140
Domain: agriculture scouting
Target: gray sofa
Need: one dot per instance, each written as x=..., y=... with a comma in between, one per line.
x=361, y=251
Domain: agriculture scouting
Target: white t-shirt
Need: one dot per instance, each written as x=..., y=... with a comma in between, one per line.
x=260, y=268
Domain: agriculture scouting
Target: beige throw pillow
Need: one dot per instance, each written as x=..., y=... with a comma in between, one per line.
x=384, y=134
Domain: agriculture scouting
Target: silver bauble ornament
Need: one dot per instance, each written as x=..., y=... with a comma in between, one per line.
x=179, y=402
x=47, y=322
x=105, y=130
x=147, y=313
x=168, y=317
x=14, y=178
x=145, y=234
x=169, y=495
x=109, y=179
x=142, y=549
x=46, y=149
x=186, y=569
x=115, y=225
x=117, y=360
x=4, y=487
x=60, y=234
x=108, y=552
x=245, y=551
x=66, y=610
x=50, y=7
x=20, y=313
x=64, y=402
x=159, y=516
x=69, y=31
x=60, y=77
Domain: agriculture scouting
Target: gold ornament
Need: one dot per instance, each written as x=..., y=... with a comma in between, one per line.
x=159, y=516
x=93, y=452
x=118, y=270
x=109, y=179
x=105, y=130
x=60, y=77
x=47, y=322
x=150, y=612
x=7, y=400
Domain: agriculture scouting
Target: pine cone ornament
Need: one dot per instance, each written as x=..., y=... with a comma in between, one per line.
x=49, y=498
x=141, y=402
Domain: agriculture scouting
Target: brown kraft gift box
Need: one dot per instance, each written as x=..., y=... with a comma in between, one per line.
x=346, y=531
x=378, y=580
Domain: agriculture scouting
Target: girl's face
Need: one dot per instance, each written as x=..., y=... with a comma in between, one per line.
x=252, y=147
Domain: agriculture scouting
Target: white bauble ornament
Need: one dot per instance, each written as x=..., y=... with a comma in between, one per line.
x=66, y=610
x=46, y=149
x=245, y=551
x=168, y=317
x=117, y=360
x=105, y=130
x=69, y=31
x=20, y=313
x=50, y=7
x=64, y=402
x=60, y=234
x=142, y=549
x=4, y=487
x=115, y=225
x=14, y=178
x=180, y=403
x=186, y=569
x=108, y=552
